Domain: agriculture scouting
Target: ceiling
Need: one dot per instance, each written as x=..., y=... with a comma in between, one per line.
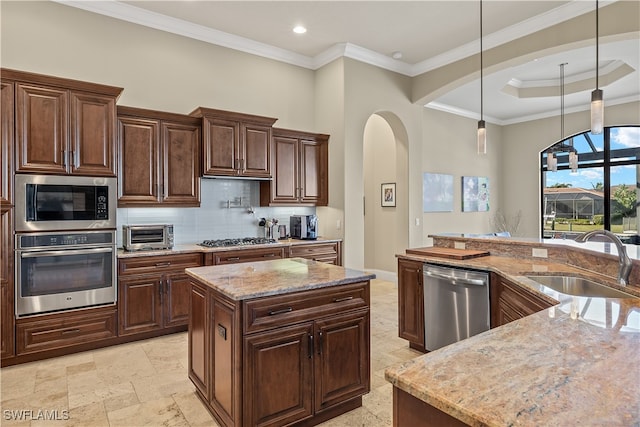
x=428, y=34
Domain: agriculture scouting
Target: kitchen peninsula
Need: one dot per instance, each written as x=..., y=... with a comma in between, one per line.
x=574, y=363
x=279, y=342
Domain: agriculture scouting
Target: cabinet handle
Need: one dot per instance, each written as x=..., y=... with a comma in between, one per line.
x=268, y=255
x=284, y=310
x=70, y=331
x=64, y=158
x=160, y=290
x=74, y=158
x=233, y=258
x=320, y=343
x=310, y=346
x=236, y=164
x=343, y=299
x=163, y=264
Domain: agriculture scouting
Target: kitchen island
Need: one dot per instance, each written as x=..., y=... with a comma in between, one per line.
x=574, y=363
x=279, y=342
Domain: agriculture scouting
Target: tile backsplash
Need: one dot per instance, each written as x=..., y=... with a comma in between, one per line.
x=213, y=219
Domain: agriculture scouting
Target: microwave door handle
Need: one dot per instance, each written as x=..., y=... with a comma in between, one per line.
x=65, y=252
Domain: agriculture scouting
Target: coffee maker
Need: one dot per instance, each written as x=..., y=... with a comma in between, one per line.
x=303, y=227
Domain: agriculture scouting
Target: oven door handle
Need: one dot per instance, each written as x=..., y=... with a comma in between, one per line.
x=38, y=254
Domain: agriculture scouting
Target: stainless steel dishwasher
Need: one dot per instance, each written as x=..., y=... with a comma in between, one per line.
x=456, y=304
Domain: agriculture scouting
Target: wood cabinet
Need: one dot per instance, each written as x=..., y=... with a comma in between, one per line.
x=63, y=126
x=235, y=256
x=235, y=144
x=154, y=292
x=65, y=329
x=7, y=141
x=312, y=347
x=411, y=303
x=7, y=287
x=300, y=170
x=159, y=158
x=329, y=252
x=511, y=302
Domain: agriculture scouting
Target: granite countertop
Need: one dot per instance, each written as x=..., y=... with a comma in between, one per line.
x=193, y=247
x=574, y=363
x=282, y=276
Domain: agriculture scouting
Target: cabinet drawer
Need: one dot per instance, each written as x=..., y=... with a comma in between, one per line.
x=158, y=264
x=247, y=255
x=65, y=329
x=269, y=312
x=311, y=251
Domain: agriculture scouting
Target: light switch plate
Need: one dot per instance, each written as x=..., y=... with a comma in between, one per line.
x=539, y=253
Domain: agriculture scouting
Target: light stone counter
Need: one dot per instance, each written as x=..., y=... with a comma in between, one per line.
x=576, y=363
x=275, y=277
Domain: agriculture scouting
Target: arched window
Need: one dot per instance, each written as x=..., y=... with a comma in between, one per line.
x=601, y=194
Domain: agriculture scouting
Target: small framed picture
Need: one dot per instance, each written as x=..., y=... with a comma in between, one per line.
x=388, y=194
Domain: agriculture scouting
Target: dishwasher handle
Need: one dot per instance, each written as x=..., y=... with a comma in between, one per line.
x=456, y=280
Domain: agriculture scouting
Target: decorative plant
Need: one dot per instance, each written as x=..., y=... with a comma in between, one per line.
x=501, y=222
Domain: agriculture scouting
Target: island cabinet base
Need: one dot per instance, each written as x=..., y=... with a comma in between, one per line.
x=409, y=411
x=298, y=358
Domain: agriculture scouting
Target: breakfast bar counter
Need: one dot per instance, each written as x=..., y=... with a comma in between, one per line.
x=279, y=342
x=575, y=363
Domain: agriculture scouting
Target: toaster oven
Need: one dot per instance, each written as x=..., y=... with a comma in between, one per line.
x=147, y=237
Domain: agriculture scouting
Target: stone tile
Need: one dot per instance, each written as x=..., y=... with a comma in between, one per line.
x=159, y=412
x=81, y=367
x=120, y=401
x=193, y=410
x=91, y=415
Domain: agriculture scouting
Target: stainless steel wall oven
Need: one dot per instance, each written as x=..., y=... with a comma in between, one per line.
x=64, y=270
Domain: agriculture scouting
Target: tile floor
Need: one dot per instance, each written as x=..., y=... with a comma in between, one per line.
x=145, y=383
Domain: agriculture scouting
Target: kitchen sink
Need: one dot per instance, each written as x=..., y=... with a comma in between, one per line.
x=578, y=286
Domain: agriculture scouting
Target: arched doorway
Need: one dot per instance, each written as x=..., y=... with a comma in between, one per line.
x=385, y=161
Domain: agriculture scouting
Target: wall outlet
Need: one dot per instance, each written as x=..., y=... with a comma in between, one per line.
x=417, y=222
x=539, y=253
x=460, y=245
x=338, y=225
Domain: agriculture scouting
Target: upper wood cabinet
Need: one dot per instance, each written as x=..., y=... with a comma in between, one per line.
x=159, y=158
x=235, y=144
x=63, y=126
x=300, y=170
x=6, y=142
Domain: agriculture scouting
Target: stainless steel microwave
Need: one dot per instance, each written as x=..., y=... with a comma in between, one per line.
x=146, y=237
x=65, y=202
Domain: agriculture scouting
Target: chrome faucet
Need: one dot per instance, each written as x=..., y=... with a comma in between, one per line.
x=624, y=262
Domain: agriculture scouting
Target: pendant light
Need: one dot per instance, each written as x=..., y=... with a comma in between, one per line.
x=573, y=154
x=597, y=102
x=552, y=162
x=482, y=130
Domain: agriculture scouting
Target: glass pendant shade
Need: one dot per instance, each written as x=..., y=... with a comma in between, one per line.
x=573, y=162
x=552, y=162
x=597, y=112
x=482, y=137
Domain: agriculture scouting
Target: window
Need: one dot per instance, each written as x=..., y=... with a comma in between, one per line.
x=601, y=194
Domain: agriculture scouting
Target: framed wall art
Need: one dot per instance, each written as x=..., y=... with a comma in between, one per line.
x=437, y=192
x=388, y=195
x=475, y=194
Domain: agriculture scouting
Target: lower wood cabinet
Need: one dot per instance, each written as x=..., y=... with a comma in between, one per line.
x=511, y=302
x=411, y=303
x=154, y=292
x=244, y=255
x=329, y=252
x=7, y=286
x=65, y=329
x=273, y=361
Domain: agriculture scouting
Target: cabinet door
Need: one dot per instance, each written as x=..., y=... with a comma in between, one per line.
x=410, y=303
x=6, y=142
x=139, y=161
x=181, y=167
x=93, y=128
x=342, y=359
x=7, y=329
x=176, y=299
x=284, y=187
x=511, y=302
x=140, y=304
x=42, y=123
x=256, y=151
x=199, y=338
x=221, y=140
x=313, y=167
x=278, y=376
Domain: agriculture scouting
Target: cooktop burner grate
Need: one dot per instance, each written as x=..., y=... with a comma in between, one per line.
x=244, y=241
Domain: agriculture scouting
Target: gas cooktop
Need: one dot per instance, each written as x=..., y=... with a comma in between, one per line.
x=244, y=241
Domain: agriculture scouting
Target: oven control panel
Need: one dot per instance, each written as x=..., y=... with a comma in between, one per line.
x=52, y=240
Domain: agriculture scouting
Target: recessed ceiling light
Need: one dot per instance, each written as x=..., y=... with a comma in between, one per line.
x=299, y=29
x=396, y=55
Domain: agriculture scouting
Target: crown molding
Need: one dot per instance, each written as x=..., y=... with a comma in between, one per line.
x=462, y=112
x=136, y=15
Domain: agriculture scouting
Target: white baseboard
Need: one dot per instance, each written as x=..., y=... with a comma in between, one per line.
x=388, y=276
